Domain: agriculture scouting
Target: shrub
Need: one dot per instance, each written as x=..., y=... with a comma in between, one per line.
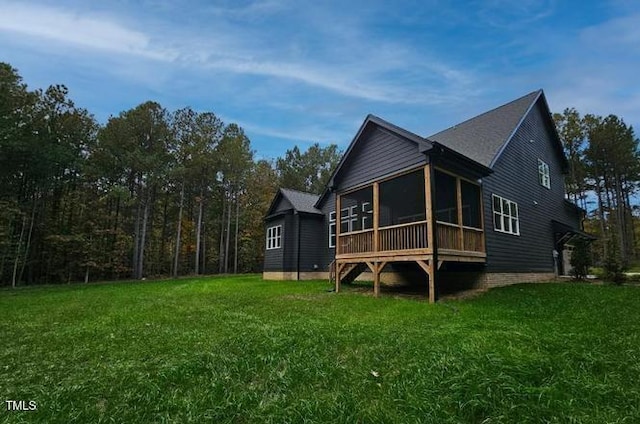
x=580, y=259
x=614, y=267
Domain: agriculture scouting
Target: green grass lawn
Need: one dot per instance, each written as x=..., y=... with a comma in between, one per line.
x=243, y=350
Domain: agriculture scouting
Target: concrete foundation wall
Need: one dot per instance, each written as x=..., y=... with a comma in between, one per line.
x=461, y=280
x=279, y=275
x=506, y=279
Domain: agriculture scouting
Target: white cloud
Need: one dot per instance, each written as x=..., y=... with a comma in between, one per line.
x=71, y=28
x=356, y=67
x=598, y=73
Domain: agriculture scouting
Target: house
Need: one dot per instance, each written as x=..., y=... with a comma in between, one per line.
x=482, y=201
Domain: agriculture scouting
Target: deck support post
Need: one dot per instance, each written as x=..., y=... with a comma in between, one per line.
x=373, y=266
x=339, y=267
x=432, y=281
x=429, y=268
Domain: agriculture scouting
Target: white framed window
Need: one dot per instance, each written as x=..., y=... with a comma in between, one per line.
x=505, y=216
x=274, y=237
x=353, y=217
x=367, y=215
x=543, y=174
x=348, y=219
x=332, y=229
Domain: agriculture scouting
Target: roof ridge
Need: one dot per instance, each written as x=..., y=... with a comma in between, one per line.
x=536, y=92
x=299, y=191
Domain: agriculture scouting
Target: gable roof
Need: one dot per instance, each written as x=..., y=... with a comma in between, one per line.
x=423, y=145
x=299, y=201
x=482, y=138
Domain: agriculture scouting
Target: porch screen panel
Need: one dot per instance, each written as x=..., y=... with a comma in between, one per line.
x=402, y=199
x=446, y=198
x=471, y=216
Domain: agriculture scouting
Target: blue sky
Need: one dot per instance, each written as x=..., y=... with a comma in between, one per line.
x=296, y=72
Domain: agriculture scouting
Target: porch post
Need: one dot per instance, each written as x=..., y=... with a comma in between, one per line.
x=337, y=247
x=432, y=229
x=338, y=224
x=376, y=215
x=427, y=205
x=459, y=205
x=484, y=249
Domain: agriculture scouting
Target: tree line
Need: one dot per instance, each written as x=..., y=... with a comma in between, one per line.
x=149, y=193
x=604, y=177
x=153, y=192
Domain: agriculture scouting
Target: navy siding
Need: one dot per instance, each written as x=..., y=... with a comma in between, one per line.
x=311, y=243
x=282, y=205
x=327, y=255
x=515, y=178
x=274, y=258
x=290, y=243
x=378, y=153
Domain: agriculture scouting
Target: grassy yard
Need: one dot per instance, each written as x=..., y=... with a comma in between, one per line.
x=243, y=350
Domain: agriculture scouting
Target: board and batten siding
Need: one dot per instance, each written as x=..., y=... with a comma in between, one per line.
x=274, y=258
x=378, y=153
x=515, y=178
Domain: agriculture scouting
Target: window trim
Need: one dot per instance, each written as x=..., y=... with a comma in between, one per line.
x=332, y=229
x=367, y=209
x=512, y=205
x=544, y=175
x=274, y=237
x=348, y=216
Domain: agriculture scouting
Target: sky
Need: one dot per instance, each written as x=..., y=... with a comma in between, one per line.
x=296, y=72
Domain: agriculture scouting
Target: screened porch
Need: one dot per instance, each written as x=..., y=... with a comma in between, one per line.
x=393, y=219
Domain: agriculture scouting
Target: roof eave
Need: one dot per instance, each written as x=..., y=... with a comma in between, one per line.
x=479, y=168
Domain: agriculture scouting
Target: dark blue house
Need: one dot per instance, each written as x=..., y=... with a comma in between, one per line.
x=482, y=202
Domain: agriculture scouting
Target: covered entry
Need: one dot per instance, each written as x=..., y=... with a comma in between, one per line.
x=564, y=235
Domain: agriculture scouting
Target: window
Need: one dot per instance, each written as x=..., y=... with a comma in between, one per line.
x=274, y=237
x=353, y=217
x=357, y=210
x=332, y=229
x=505, y=216
x=349, y=219
x=367, y=216
x=543, y=174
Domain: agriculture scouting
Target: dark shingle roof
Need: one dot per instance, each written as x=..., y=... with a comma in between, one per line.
x=301, y=201
x=481, y=138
